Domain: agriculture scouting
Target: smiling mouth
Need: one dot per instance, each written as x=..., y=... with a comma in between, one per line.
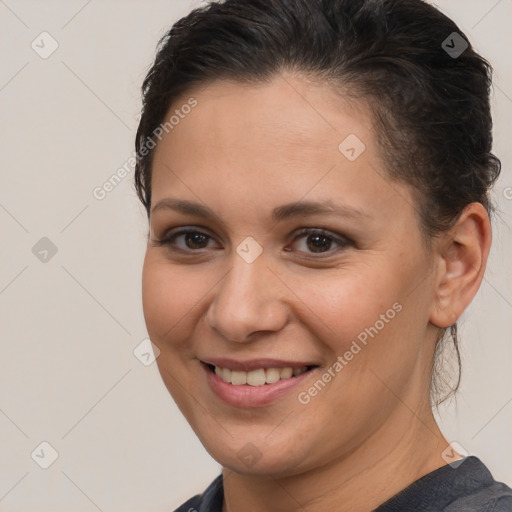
x=258, y=377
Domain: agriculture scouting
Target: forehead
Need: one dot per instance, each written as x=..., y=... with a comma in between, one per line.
x=289, y=112
x=251, y=142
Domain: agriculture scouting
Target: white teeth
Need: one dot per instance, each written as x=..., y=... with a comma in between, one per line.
x=258, y=377
x=272, y=375
x=286, y=373
x=226, y=375
x=238, y=378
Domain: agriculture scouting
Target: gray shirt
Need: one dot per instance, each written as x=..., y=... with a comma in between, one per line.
x=469, y=487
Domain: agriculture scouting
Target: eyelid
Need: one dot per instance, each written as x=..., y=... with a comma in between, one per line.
x=342, y=241
x=172, y=234
x=321, y=231
x=180, y=230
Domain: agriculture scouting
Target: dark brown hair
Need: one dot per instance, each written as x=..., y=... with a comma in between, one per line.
x=427, y=88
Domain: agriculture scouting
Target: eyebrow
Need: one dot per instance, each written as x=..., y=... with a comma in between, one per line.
x=280, y=213
x=186, y=207
x=303, y=208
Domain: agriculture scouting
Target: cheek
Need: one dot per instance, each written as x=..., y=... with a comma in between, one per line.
x=376, y=326
x=348, y=303
x=368, y=319
x=170, y=295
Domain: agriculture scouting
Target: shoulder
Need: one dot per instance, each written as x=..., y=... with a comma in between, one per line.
x=191, y=505
x=467, y=487
x=496, y=497
x=484, y=493
x=209, y=501
x=503, y=504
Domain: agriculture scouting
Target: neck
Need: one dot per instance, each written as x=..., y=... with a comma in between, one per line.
x=396, y=455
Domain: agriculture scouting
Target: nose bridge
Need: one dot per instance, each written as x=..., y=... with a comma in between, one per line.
x=247, y=300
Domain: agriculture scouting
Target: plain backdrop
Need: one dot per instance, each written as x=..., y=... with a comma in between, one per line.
x=70, y=293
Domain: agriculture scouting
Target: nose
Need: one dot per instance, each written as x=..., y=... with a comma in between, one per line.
x=249, y=299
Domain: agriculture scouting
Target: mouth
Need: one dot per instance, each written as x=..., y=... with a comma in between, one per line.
x=259, y=376
x=255, y=384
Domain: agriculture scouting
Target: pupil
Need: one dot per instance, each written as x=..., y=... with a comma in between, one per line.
x=318, y=242
x=195, y=240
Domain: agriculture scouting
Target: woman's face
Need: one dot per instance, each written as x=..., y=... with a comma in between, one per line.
x=240, y=285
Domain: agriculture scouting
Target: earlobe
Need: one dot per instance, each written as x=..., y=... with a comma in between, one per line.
x=462, y=257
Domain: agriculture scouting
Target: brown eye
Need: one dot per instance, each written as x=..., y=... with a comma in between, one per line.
x=188, y=240
x=318, y=241
x=195, y=240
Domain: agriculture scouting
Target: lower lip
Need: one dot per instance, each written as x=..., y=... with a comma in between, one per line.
x=252, y=396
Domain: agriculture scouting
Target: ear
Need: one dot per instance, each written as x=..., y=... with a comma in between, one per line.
x=462, y=255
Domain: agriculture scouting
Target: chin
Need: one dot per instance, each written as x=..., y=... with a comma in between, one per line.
x=256, y=454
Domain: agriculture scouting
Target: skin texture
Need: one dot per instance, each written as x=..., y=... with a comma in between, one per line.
x=243, y=151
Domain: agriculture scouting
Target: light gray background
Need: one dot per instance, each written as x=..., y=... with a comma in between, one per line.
x=68, y=375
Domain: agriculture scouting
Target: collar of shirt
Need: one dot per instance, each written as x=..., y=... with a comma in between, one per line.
x=465, y=486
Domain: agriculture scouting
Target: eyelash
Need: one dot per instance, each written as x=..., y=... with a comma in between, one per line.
x=343, y=242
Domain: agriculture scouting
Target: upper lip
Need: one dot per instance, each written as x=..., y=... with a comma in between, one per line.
x=255, y=364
